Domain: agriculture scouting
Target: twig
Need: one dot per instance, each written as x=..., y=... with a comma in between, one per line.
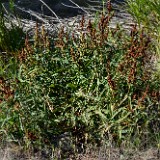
x=50, y=10
x=79, y=6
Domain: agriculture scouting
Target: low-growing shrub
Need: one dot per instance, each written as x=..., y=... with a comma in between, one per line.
x=93, y=85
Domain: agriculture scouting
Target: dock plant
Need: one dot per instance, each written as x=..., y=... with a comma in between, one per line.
x=92, y=84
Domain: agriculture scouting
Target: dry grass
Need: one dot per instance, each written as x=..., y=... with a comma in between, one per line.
x=14, y=152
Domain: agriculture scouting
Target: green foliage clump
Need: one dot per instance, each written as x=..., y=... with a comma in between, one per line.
x=11, y=39
x=93, y=85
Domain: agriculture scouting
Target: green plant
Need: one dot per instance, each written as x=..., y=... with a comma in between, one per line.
x=11, y=39
x=147, y=13
x=93, y=85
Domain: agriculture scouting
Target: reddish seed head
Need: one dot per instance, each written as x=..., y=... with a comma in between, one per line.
x=109, y=6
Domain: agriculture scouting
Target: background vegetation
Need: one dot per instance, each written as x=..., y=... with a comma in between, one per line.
x=97, y=86
x=147, y=13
